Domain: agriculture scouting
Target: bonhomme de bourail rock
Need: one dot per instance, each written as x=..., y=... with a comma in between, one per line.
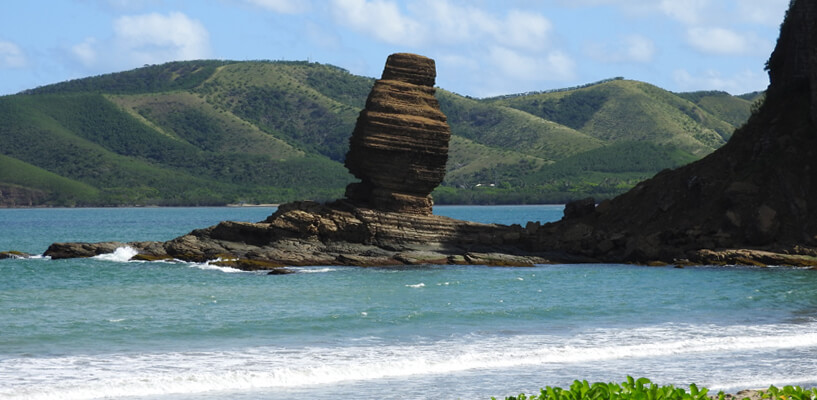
x=751, y=202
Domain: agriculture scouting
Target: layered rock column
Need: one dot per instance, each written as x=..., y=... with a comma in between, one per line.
x=399, y=146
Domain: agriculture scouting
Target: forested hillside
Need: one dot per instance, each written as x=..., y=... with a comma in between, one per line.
x=218, y=132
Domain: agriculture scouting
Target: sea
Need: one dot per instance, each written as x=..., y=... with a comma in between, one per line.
x=108, y=328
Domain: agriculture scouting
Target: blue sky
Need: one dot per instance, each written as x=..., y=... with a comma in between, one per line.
x=482, y=47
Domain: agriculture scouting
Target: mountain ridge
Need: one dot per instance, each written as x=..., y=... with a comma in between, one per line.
x=212, y=132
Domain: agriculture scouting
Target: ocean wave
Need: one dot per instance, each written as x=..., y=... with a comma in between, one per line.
x=315, y=270
x=121, y=254
x=210, y=266
x=278, y=367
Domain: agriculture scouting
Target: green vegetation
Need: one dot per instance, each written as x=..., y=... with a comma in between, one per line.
x=151, y=78
x=214, y=132
x=643, y=389
x=732, y=109
x=623, y=110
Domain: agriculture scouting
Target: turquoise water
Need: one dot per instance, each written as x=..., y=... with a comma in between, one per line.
x=105, y=328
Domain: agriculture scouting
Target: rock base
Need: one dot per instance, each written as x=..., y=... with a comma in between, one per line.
x=308, y=233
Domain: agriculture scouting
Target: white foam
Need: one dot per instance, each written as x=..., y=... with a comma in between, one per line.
x=315, y=270
x=762, y=382
x=210, y=266
x=275, y=367
x=121, y=254
x=419, y=285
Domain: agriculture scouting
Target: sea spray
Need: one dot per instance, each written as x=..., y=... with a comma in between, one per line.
x=121, y=254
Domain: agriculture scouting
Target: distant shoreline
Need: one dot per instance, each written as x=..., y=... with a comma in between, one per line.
x=238, y=205
x=253, y=205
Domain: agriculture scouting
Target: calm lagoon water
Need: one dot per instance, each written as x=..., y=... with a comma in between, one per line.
x=105, y=328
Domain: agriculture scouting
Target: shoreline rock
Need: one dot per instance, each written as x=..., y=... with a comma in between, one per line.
x=307, y=233
x=750, y=202
x=13, y=255
x=340, y=234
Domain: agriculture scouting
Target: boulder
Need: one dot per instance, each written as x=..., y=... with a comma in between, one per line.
x=13, y=254
x=81, y=250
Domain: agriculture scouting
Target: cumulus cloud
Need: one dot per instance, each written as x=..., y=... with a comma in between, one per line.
x=525, y=30
x=124, y=5
x=456, y=24
x=283, y=6
x=383, y=20
x=686, y=11
x=766, y=12
x=153, y=38
x=85, y=52
x=459, y=62
x=630, y=48
x=11, y=56
x=739, y=83
x=506, y=44
x=443, y=22
x=722, y=41
x=555, y=65
x=144, y=39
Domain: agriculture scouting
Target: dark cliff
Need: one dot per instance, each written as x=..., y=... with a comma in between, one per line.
x=758, y=192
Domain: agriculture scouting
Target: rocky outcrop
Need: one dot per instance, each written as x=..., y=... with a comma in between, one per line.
x=758, y=192
x=398, y=150
x=400, y=144
x=753, y=201
x=340, y=233
x=17, y=196
x=81, y=250
x=13, y=255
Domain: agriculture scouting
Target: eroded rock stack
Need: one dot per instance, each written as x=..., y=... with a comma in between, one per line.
x=400, y=144
x=753, y=201
x=398, y=150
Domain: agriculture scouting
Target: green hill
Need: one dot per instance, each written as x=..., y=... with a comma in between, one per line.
x=623, y=110
x=216, y=132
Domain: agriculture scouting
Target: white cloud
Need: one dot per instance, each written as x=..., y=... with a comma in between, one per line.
x=124, y=5
x=442, y=21
x=455, y=24
x=738, y=83
x=722, y=41
x=319, y=35
x=630, y=48
x=11, y=56
x=154, y=38
x=766, y=12
x=283, y=6
x=144, y=39
x=525, y=30
x=687, y=11
x=380, y=19
x=458, y=62
x=554, y=66
x=85, y=52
